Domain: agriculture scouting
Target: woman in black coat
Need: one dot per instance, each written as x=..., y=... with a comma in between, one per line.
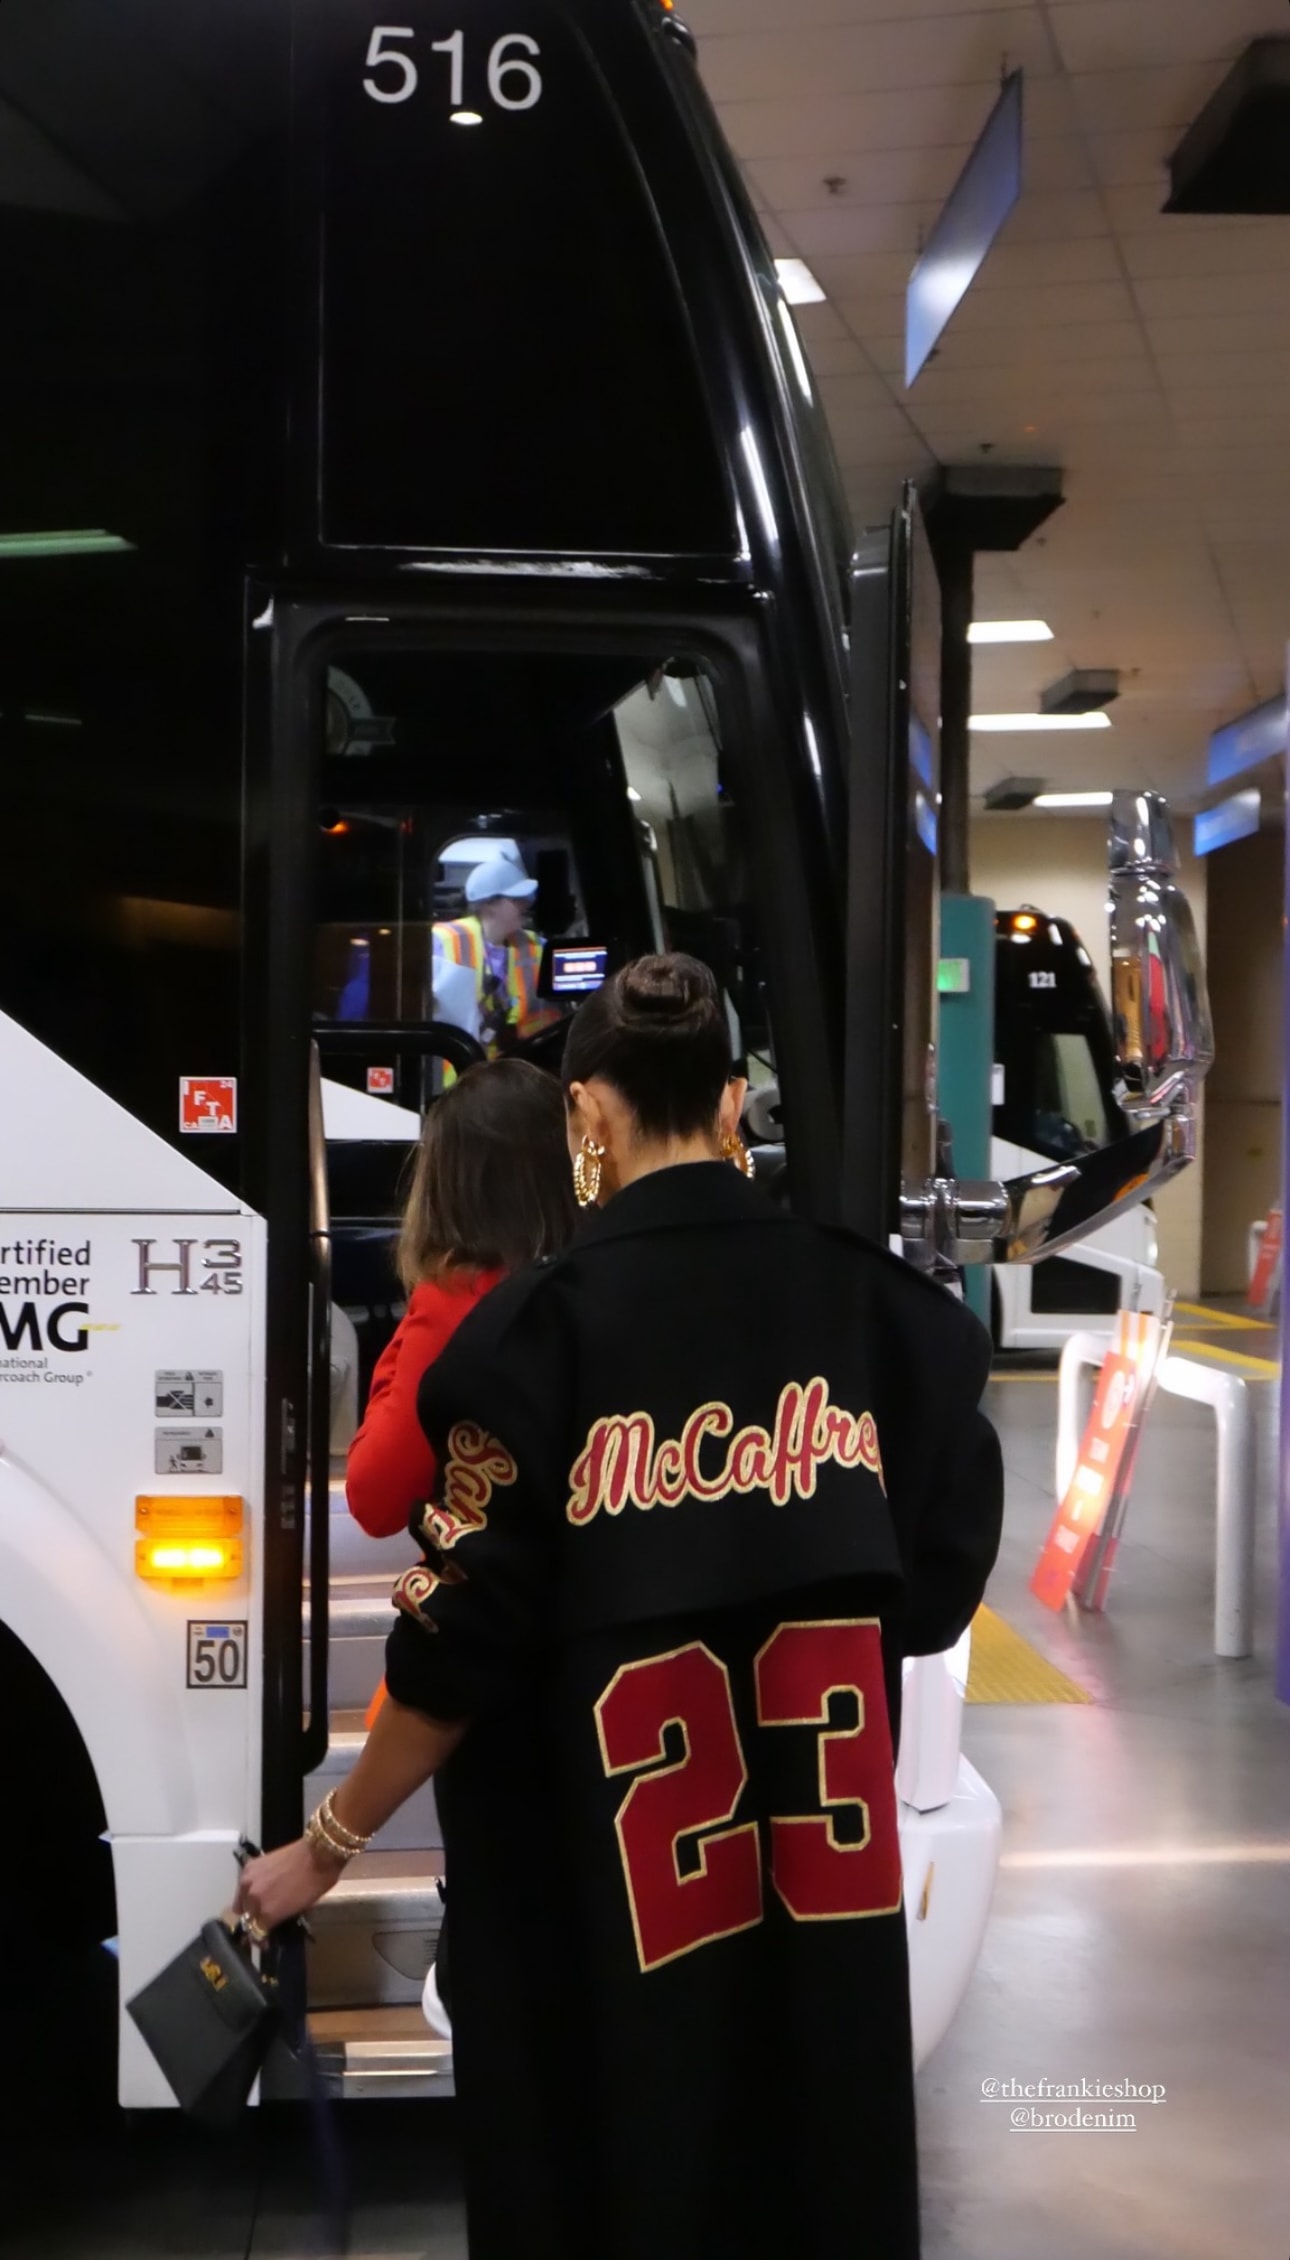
x=707, y=1479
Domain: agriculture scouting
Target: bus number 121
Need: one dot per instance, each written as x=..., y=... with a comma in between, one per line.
x=514, y=81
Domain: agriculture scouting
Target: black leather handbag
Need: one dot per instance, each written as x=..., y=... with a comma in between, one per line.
x=208, y=2018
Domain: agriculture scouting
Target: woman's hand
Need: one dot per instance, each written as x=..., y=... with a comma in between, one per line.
x=282, y=1884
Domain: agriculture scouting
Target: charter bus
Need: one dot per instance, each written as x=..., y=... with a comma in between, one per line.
x=408, y=450
x=1056, y=1097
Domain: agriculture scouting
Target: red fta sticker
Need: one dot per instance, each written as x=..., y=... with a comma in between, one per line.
x=380, y=1082
x=207, y=1102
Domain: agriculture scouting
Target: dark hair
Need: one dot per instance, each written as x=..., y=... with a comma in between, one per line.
x=658, y=1033
x=492, y=1189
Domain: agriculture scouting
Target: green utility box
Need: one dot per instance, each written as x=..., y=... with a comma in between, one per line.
x=965, y=1072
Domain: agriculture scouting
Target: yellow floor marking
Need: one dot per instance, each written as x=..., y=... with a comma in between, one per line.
x=1227, y=1318
x=1259, y=1369
x=1024, y=1376
x=1006, y=1669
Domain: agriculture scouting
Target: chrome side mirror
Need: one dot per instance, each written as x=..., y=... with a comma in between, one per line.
x=1164, y=1045
x=1160, y=1018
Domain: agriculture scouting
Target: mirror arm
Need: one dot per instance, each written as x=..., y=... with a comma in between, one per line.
x=963, y=1221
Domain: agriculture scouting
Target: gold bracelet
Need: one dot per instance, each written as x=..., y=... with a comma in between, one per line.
x=316, y=1833
x=346, y=1835
x=331, y=1836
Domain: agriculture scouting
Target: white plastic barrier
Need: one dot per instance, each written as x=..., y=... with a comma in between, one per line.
x=1229, y=1400
x=950, y=1829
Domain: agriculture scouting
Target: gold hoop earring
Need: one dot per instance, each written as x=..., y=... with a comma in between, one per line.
x=734, y=1149
x=586, y=1173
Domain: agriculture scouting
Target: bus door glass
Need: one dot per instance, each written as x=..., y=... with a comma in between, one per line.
x=698, y=876
x=472, y=814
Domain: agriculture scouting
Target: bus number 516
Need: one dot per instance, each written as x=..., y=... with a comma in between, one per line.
x=514, y=82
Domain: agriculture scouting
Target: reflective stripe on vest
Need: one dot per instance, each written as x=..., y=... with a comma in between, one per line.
x=463, y=944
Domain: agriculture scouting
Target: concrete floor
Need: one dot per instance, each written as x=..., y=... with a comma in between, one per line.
x=1139, y=1932
x=1141, y=1924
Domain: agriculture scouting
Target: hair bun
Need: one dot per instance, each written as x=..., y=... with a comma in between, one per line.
x=666, y=988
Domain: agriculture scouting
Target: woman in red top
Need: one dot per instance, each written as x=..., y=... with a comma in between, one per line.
x=490, y=1193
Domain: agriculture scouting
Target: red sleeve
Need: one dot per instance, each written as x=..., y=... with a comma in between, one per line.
x=391, y=1468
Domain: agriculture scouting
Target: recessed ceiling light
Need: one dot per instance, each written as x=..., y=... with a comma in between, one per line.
x=797, y=282
x=1010, y=631
x=86, y=543
x=1097, y=720
x=1073, y=800
x=467, y=118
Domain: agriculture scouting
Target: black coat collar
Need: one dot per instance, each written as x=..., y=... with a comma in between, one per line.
x=691, y=1192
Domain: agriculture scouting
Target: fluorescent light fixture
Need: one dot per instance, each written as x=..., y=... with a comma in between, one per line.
x=87, y=543
x=1097, y=720
x=798, y=284
x=1010, y=631
x=1073, y=800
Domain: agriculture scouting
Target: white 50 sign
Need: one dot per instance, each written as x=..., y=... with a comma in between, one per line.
x=514, y=80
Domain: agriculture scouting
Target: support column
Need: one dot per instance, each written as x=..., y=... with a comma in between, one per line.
x=956, y=561
x=970, y=508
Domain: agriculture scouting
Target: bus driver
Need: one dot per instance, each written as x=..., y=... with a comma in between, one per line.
x=500, y=952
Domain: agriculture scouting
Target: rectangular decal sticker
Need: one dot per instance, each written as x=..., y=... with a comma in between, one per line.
x=196, y=1394
x=217, y=1655
x=189, y=1451
x=207, y=1102
x=380, y=1082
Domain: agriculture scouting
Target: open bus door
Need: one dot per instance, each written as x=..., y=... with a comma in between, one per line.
x=626, y=764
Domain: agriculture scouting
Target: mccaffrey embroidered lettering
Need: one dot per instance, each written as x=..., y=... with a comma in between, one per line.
x=622, y=1464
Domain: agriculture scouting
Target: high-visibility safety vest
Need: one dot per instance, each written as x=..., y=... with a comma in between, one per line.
x=462, y=943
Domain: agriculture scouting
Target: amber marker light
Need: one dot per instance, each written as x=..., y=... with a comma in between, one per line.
x=188, y=1541
x=1025, y=924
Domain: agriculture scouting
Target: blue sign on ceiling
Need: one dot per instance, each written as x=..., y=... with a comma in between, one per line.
x=1233, y=819
x=1254, y=737
x=977, y=206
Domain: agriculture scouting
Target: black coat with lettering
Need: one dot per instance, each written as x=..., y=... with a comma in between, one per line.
x=705, y=1480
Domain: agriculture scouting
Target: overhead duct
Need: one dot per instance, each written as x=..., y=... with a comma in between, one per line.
x=1014, y=792
x=1083, y=691
x=1236, y=157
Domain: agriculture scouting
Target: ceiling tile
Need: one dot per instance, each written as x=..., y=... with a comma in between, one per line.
x=1045, y=307
x=1012, y=265
x=1102, y=35
x=714, y=19
x=1242, y=336
x=1165, y=99
x=871, y=58
x=1211, y=294
x=818, y=126
x=923, y=177
x=1132, y=159
x=844, y=226
x=1174, y=248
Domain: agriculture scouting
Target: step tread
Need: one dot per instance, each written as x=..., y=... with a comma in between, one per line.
x=381, y=2052
x=376, y=1888
x=329, y=2026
